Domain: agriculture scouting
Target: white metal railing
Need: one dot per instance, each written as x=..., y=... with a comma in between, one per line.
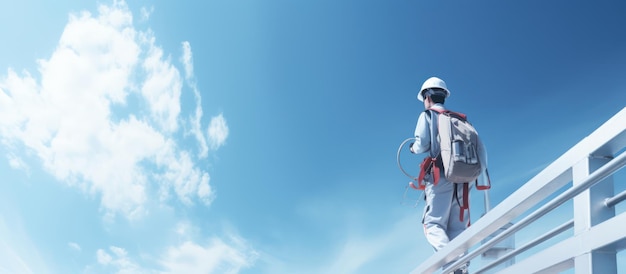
x=565, y=226
x=589, y=166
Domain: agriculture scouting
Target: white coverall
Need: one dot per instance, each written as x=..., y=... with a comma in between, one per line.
x=442, y=210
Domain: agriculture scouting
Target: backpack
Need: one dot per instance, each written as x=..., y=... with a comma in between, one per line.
x=454, y=147
x=458, y=146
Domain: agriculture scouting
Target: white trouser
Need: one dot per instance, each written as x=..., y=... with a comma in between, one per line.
x=442, y=212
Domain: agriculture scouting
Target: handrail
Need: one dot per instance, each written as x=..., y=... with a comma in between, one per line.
x=608, y=139
x=603, y=172
x=611, y=202
x=565, y=226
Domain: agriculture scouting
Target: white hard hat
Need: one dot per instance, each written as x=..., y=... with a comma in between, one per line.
x=432, y=82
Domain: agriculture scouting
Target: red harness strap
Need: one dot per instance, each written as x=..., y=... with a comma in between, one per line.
x=428, y=165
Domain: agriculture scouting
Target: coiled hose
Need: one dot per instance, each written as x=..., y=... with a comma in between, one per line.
x=413, y=178
x=398, y=159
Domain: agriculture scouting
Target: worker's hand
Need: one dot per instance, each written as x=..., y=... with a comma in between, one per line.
x=411, y=148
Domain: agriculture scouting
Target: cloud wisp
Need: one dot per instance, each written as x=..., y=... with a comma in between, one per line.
x=196, y=117
x=218, y=131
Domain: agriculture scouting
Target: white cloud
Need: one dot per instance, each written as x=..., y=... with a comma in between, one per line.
x=118, y=259
x=74, y=246
x=104, y=117
x=162, y=87
x=184, y=229
x=16, y=162
x=195, y=119
x=186, y=180
x=103, y=257
x=78, y=121
x=218, y=131
x=187, y=59
x=216, y=257
x=145, y=13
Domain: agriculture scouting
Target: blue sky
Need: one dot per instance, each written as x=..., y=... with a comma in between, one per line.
x=261, y=137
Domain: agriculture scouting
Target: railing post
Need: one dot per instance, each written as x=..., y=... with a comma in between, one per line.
x=589, y=210
x=500, y=249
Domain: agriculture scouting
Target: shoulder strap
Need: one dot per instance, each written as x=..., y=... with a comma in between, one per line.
x=449, y=112
x=458, y=115
x=434, y=131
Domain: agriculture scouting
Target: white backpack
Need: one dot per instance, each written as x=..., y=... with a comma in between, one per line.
x=453, y=147
x=457, y=145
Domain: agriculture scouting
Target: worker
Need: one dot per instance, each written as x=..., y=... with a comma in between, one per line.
x=444, y=217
